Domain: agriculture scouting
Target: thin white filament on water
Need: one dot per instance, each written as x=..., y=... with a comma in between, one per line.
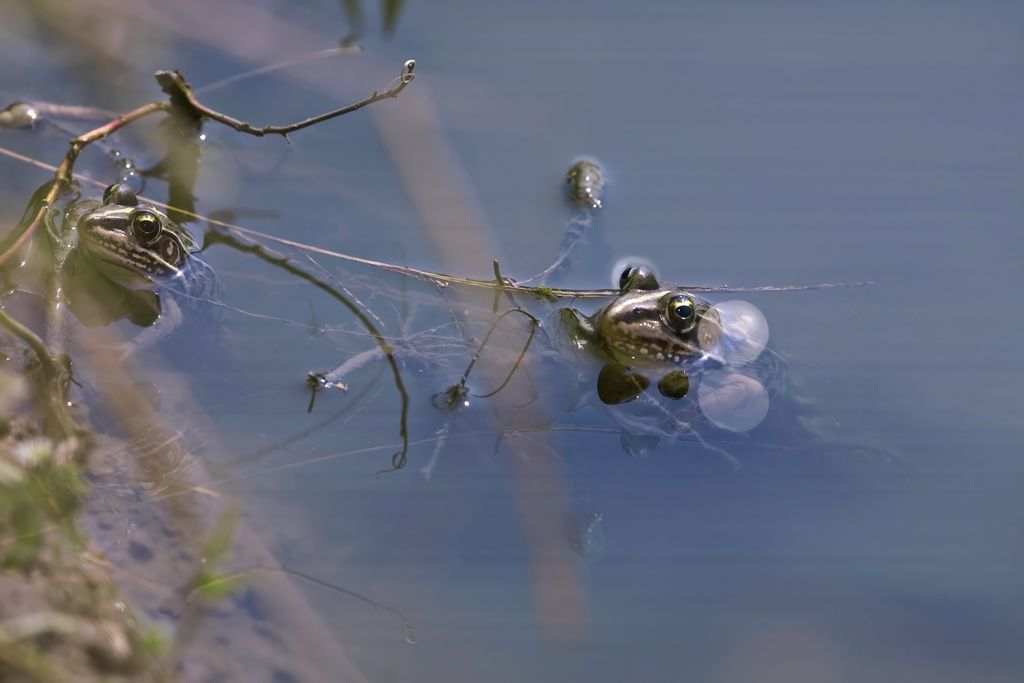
x=277, y=66
x=442, y=438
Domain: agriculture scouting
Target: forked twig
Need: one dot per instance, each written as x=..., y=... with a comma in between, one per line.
x=174, y=84
x=398, y=460
x=183, y=102
x=181, y=99
x=450, y=397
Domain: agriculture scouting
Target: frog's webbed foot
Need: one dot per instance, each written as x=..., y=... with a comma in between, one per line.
x=674, y=385
x=616, y=384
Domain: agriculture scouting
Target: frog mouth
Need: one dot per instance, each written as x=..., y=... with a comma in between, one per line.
x=656, y=349
x=653, y=343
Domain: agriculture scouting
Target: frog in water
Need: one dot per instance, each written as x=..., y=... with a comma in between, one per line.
x=647, y=331
x=132, y=262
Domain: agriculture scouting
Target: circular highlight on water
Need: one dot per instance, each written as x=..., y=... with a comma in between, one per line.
x=732, y=400
x=744, y=332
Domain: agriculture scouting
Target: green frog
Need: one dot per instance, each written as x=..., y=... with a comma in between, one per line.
x=647, y=331
x=134, y=242
x=133, y=262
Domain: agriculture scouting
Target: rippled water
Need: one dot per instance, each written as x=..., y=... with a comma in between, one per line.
x=869, y=529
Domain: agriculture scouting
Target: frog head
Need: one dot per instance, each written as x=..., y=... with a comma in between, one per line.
x=132, y=241
x=648, y=325
x=646, y=332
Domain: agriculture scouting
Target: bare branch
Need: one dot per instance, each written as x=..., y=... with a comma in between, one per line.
x=174, y=84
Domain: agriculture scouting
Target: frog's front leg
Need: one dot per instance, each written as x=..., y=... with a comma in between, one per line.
x=169, y=319
x=675, y=385
x=617, y=384
x=577, y=328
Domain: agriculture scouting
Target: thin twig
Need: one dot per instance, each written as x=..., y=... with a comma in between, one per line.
x=444, y=279
x=509, y=285
x=62, y=177
x=182, y=101
x=534, y=323
x=174, y=84
x=181, y=97
x=33, y=341
x=398, y=460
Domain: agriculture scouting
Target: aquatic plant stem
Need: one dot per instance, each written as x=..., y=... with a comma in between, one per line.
x=459, y=389
x=53, y=376
x=32, y=340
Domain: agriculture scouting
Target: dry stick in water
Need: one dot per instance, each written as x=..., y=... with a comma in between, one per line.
x=398, y=460
x=182, y=99
x=444, y=279
x=508, y=285
x=174, y=84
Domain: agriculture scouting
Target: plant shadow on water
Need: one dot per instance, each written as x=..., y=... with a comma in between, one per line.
x=303, y=436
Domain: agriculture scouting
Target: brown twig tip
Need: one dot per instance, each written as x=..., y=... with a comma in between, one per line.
x=171, y=81
x=184, y=100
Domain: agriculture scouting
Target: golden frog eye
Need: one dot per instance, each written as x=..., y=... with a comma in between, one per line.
x=679, y=313
x=145, y=226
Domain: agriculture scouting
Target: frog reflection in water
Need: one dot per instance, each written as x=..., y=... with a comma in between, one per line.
x=130, y=263
x=647, y=332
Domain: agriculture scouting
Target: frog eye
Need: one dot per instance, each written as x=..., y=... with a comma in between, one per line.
x=120, y=194
x=638, y=277
x=679, y=313
x=170, y=251
x=145, y=226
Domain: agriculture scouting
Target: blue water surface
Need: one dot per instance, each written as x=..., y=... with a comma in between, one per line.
x=879, y=537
